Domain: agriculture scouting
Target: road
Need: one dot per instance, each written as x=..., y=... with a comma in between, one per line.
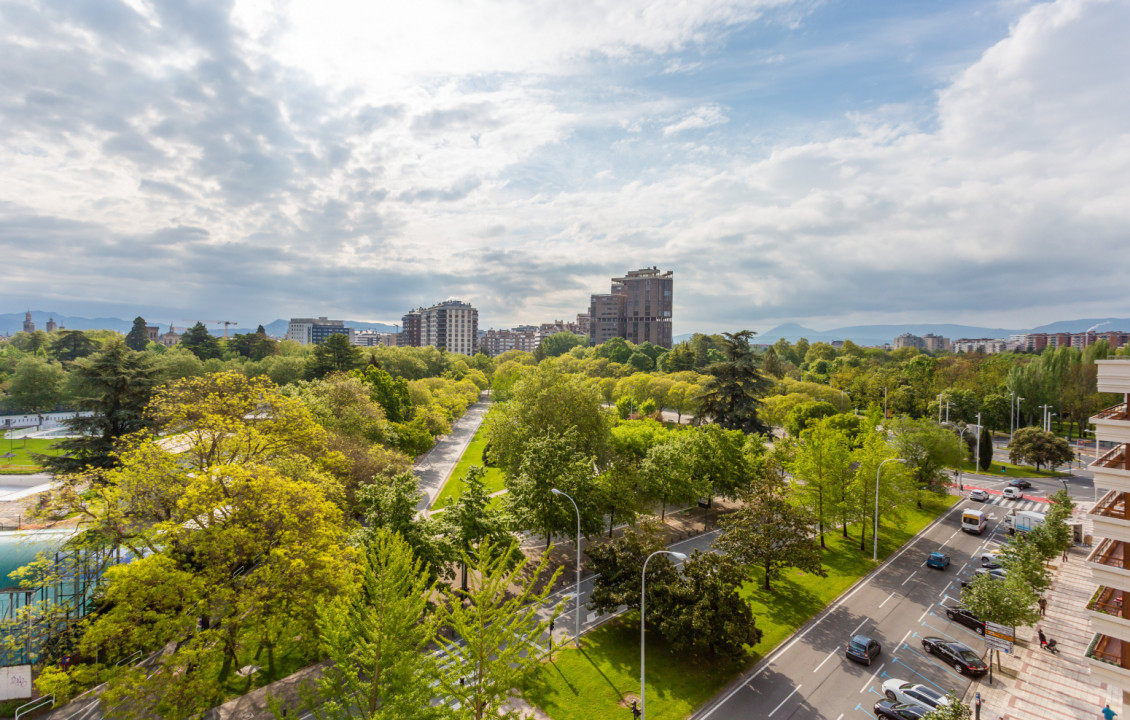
x=899, y=604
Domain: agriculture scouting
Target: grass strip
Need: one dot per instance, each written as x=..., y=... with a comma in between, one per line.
x=473, y=455
x=1011, y=470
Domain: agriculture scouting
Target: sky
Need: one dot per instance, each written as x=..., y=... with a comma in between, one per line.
x=827, y=162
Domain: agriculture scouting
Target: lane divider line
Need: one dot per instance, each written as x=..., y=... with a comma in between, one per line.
x=904, y=582
x=830, y=655
x=926, y=612
x=871, y=680
x=887, y=600
x=947, y=587
x=798, y=687
x=859, y=626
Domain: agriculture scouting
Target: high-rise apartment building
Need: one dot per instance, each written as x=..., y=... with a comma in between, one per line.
x=313, y=331
x=638, y=309
x=452, y=325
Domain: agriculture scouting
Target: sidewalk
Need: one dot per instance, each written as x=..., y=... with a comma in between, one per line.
x=434, y=467
x=1037, y=685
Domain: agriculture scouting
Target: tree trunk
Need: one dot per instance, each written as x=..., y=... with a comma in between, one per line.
x=463, y=567
x=663, y=515
x=862, y=537
x=767, y=587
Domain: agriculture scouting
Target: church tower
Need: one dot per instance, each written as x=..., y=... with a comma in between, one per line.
x=29, y=326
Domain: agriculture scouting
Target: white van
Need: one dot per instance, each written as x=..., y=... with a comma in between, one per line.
x=1012, y=493
x=973, y=521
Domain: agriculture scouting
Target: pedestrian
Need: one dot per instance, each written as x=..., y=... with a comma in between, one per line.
x=636, y=709
x=1043, y=603
x=1043, y=638
x=1065, y=555
x=1109, y=714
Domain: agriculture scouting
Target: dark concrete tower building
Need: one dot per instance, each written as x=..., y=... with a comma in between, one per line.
x=638, y=309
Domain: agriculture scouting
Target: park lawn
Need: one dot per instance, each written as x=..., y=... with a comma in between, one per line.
x=473, y=455
x=23, y=449
x=1013, y=470
x=589, y=684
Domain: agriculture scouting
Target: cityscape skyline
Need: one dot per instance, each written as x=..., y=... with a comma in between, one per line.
x=821, y=163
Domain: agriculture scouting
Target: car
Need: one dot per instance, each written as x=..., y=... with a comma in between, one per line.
x=1012, y=493
x=964, y=617
x=863, y=649
x=887, y=710
x=979, y=495
x=938, y=560
x=901, y=691
x=1021, y=484
x=991, y=559
x=994, y=573
x=958, y=655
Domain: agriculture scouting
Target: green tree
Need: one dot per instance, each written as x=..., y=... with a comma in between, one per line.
x=138, y=337
x=472, y=521
x=929, y=450
x=702, y=610
x=806, y=413
x=114, y=385
x=334, y=354
x=1022, y=557
x=1031, y=445
x=560, y=343
x=985, y=449
x=392, y=505
x=732, y=395
x=823, y=464
x=497, y=645
x=201, y=343
x=254, y=346
x=1009, y=602
x=618, y=565
x=390, y=392
x=376, y=636
x=35, y=386
x=551, y=462
x=413, y=437
x=70, y=345
x=895, y=486
x=953, y=710
x=668, y=473
x=995, y=410
x=616, y=349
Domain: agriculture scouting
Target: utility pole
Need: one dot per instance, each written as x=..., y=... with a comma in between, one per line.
x=977, y=450
x=884, y=403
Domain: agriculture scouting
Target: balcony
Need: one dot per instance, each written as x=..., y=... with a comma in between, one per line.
x=1114, y=376
x=1109, y=515
x=1104, y=655
x=1105, y=613
x=1107, y=563
x=1113, y=424
x=1112, y=469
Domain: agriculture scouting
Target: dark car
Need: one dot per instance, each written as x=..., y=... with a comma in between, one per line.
x=960, y=657
x=899, y=711
x=863, y=649
x=1018, y=483
x=938, y=560
x=966, y=618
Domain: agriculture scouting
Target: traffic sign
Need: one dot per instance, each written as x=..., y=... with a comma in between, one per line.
x=999, y=637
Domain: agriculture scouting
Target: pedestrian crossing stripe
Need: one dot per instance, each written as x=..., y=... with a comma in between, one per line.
x=1017, y=505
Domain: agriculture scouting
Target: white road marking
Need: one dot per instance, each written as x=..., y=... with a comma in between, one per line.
x=947, y=587
x=885, y=601
x=830, y=655
x=841, y=717
x=962, y=568
x=857, y=627
x=951, y=537
x=798, y=687
x=926, y=612
x=904, y=637
x=904, y=582
x=872, y=678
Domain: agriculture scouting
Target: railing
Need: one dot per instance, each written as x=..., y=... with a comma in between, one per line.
x=1116, y=458
x=1097, y=650
x=1117, y=412
x=1107, y=601
x=1110, y=553
x=1112, y=505
x=34, y=705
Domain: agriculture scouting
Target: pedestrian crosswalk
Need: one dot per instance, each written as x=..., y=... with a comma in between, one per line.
x=1016, y=505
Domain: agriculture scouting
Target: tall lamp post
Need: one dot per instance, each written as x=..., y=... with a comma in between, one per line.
x=842, y=393
x=875, y=533
x=643, y=597
x=577, y=605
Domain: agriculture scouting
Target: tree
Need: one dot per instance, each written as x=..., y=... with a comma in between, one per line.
x=254, y=346
x=201, y=343
x=894, y=484
x=1009, y=602
x=929, y=451
x=1022, y=557
x=702, y=610
x=732, y=396
x=985, y=449
x=618, y=565
x=500, y=631
x=70, y=345
x=1031, y=445
x=953, y=710
x=391, y=505
x=616, y=349
x=823, y=463
x=668, y=473
x=391, y=393
x=138, y=337
x=806, y=413
x=35, y=386
x=334, y=354
x=376, y=636
x=769, y=532
x=472, y=521
x=552, y=462
x=114, y=385
x=560, y=343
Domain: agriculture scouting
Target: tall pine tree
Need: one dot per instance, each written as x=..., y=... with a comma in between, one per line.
x=138, y=338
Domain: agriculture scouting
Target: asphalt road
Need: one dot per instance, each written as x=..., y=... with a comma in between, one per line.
x=898, y=605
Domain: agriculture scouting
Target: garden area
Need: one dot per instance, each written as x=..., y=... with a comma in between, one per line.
x=493, y=478
x=22, y=452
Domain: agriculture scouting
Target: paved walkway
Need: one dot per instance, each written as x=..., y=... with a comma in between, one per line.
x=1037, y=685
x=436, y=465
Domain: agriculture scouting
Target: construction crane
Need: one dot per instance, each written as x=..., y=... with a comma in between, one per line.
x=226, y=323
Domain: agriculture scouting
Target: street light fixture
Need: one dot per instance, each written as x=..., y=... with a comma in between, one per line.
x=875, y=533
x=577, y=621
x=842, y=393
x=643, y=596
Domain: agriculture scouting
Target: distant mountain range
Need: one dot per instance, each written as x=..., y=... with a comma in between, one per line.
x=880, y=334
x=11, y=323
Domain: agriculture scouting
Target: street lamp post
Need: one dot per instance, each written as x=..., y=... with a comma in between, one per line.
x=977, y=447
x=842, y=393
x=577, y=622
x=875, y=533
x=643, y=597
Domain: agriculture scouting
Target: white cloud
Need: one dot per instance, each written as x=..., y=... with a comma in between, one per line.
x=704, y=117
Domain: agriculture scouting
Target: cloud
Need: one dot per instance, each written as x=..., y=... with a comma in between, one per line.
x=704, y=117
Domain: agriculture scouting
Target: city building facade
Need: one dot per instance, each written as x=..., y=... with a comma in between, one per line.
x=495, y=342
x=452, y=325
x=29, y=326
x=1109, y=652
x=172, y=337
x=639, y=309
x=907, y=340
x=373, y=338
x=410, y=325
x=314, y=331
x=1038, y=342
x=985, y=346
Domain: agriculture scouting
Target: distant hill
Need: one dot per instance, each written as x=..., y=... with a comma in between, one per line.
x=1074, y=326
x=11, y=323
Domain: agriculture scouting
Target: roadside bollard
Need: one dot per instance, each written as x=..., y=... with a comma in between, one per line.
x=977, y=706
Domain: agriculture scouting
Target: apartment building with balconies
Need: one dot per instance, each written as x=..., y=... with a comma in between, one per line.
x=1109, y=652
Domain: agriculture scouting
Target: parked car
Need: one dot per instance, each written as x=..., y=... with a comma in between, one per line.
x=991, y=559
x=1019, y=483
x=887, y=710
x=966, y=618
x=938, y=560
x=960, y=656
x=901, y=691
x=863, y=649
x=1012, y=493
x=979, y=495
x=994, y=573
